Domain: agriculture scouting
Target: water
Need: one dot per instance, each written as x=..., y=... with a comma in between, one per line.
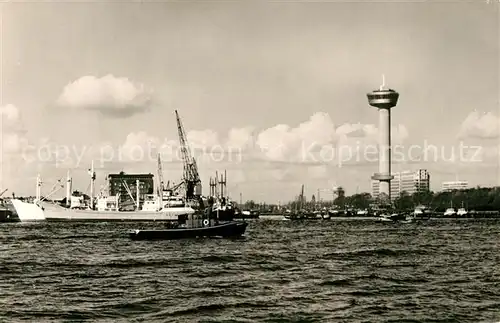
x=330, y=271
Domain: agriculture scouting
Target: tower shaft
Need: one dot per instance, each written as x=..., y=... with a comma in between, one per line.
x=384, y=166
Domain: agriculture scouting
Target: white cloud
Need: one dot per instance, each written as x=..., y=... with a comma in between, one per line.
x=480, y=125
x=110, y=95
x=12, y=144
x=11, y=137
x=284, y=143
x=202, y=139
x=241, y=138
x=357, y=130
x=138, y=147
x=9, y=113
x=274, y=154
x=314, y=142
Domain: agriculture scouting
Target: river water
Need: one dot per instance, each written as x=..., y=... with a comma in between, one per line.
x=319, y=271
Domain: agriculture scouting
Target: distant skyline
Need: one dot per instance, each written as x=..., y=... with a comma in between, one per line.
x=273, y=82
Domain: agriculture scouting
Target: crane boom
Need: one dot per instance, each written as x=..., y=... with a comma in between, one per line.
x=191, y=177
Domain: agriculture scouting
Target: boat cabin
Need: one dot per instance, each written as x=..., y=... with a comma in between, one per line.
x=151, y=203
x=196, y=220
x=108, y=203
x=77, y=202
x=173, y=201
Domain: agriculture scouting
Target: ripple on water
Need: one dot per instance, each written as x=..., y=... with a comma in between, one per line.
x=346, y=271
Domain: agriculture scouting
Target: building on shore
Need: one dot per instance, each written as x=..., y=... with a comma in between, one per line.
x=126, y=186
x=410, y=182
x=454, y=185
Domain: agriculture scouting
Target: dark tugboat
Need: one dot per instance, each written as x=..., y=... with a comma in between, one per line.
x=216, y=220
x=6, y=214
x=212, y=222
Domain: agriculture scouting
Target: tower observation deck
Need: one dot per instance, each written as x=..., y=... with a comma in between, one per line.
x=384, y=99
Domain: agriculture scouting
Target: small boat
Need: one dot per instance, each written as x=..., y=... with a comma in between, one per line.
x=449, y=212
x=302, y=215
x=421, y=213
x=333, y=212
x=362, y=212
x=246, y=214
x=462, y=211
x=223, y=230
x=393, y=217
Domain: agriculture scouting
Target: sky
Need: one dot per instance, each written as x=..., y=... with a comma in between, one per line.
x=272, y=92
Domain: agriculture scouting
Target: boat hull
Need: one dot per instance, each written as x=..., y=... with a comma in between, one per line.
x=225, y=230
x=28, y=212
x=55, y=213
x=397, y=217
x=8, y=216
x=303, y=217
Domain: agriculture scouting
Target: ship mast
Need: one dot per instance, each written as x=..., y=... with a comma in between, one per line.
x=161, y=187
x=68, y=189
x=223, y=187
x=92, y=180
x=302, y=197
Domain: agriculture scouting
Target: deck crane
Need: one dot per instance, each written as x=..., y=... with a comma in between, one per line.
x=191, y=178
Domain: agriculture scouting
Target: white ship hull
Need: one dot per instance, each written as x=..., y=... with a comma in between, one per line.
x=28, y=212
x=57, y=213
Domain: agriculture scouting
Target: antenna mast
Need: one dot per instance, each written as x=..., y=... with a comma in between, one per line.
x=382, y=87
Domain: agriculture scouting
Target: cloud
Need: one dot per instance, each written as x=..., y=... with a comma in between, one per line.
x=284, y=143
x=356, y=130
x=314, y=142
x=138, y=147
x=12, y=137
x=241, y=138
x=12, y=144
x=110, y=95
x=273, y=154
x=357, y=144
x=9, y=113
x=480, y=126
x=202, y=139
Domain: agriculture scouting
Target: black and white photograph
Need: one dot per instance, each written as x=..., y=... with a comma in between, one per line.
x=250, y=161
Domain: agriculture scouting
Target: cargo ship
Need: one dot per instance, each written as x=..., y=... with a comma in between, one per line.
x=166, y=205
